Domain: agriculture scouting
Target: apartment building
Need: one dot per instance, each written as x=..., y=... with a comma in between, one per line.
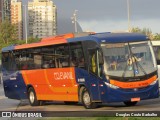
x=16, y=17
x=6, y=9
x=42, y=18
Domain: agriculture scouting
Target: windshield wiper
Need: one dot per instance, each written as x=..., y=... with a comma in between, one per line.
x=129, y=58
x=133, y=61
x=140, y=66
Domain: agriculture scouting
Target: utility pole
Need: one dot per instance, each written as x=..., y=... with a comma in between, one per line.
x=25, y=13
x=74, y=20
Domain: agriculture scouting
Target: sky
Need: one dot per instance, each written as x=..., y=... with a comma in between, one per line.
x=111, y=15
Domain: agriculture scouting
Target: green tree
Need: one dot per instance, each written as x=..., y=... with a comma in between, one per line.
x=145, y=31
x=157, y=36
x=136, y=29
x=7, y=32
x=32, y=39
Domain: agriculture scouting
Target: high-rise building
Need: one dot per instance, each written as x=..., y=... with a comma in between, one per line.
x=6, y=9
x=16, y=17
x=42, y=18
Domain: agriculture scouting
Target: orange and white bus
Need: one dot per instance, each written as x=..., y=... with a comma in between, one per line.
x=89, y=67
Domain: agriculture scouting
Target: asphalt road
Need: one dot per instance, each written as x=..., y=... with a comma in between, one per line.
x=5, y=103
x=59, y=108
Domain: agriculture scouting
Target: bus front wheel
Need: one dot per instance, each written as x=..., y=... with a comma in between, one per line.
x=129, y=103
x=86, y=100
x=32, y=97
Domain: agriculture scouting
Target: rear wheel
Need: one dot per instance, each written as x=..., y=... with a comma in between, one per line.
x=87, y=101
x=33, y=98
x=129, y=103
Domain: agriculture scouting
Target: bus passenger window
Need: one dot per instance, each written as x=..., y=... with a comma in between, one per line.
x=64, y=64
x=62, y=56
x=25, y=67
x=5, y=60
x=81, y=62
x=48, y=57
x=45, y=65
x=37, y=61
x=77, y=56
x=57, y=63
x=51, y=64
x=73, y=62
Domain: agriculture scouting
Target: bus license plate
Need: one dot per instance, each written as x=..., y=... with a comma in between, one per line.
x=135, y=99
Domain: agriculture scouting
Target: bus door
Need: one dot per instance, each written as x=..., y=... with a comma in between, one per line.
x=11, y=79
x=94, y=73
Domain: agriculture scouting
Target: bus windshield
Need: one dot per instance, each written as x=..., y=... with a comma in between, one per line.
x=131, y=59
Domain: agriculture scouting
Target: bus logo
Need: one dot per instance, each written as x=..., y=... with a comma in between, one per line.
x=6, y=114
x=63, y=76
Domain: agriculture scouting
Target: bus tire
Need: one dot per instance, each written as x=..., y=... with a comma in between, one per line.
x=129, y=103
x=32, y=97
x=87, y=101
x=80, y=93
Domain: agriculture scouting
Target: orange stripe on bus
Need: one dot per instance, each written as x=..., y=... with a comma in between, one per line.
x=58, y=41
x=55, y=88
x=65, y=36
x=52, y=83
x=136, y=84
x=25, y=77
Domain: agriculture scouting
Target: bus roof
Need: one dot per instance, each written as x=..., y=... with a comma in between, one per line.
x=112, y=37
x=106, y=37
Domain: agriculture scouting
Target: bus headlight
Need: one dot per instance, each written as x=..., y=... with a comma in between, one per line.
x=111, y=86
x=154, y=82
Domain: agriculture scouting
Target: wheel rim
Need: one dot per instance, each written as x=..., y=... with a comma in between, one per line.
x=31, y=97
x=86, y=98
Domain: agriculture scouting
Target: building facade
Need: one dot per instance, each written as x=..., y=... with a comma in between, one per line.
x=16, y=17
x=6, y=6
x=42, y=18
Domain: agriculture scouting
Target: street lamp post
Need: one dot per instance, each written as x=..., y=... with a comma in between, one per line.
x=74, y=20
x=128, y=12
x=25, y=13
